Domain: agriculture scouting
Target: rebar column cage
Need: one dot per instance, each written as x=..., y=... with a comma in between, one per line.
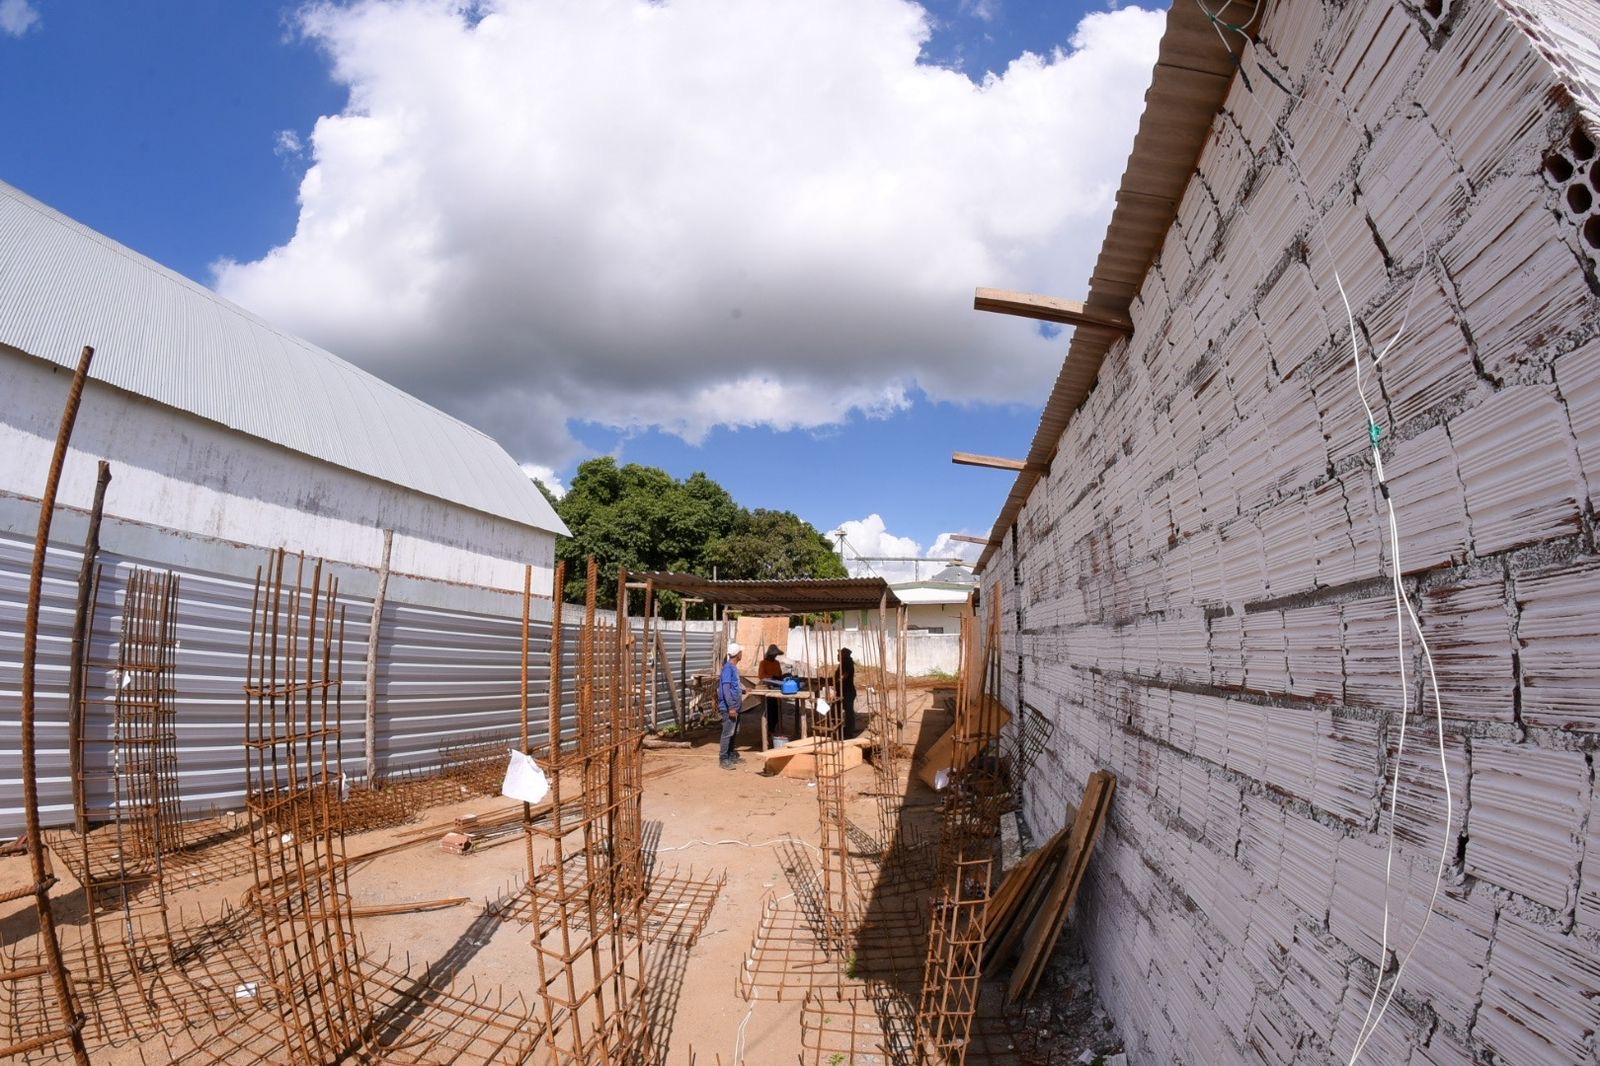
x=587, y=894
x=839, y=921
x=144, y=733
x=974, y=797
x=294, y=773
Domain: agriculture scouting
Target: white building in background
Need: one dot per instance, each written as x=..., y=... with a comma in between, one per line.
x=227, y=437
x=220, y=425
x=936, y=605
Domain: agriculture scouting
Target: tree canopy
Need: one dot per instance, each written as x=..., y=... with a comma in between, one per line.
x=643, y=518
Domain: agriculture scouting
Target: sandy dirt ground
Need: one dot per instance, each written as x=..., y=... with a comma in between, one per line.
x=699, y=819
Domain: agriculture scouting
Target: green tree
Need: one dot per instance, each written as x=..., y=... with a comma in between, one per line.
x=639, y=517
x=642, y=518
x=773, y=546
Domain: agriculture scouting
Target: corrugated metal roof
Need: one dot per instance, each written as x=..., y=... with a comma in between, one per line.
x=1191, y=79
x=160, y=335
x=798, y=596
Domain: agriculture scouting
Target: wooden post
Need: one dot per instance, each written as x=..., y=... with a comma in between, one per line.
x=80, y=632
x=648, y=652
x=673, y=691
x=683, y=661
x=372, y=660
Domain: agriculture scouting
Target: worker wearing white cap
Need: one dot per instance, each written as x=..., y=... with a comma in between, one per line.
x=730, y=693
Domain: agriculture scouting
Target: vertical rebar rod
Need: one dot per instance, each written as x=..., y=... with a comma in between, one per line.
x=42, y=880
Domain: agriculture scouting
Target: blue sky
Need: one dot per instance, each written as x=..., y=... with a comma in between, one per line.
x=162, y=124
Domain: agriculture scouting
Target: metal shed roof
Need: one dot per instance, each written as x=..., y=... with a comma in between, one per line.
x=798, y=596
x=160, y=335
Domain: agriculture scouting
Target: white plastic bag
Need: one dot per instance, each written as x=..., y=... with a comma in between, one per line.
x=524, y=780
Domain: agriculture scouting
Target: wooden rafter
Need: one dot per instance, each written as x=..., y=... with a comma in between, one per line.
x=997, y=463
x=1049, y=309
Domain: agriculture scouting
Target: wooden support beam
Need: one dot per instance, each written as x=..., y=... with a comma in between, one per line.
x=969, y=459
x=373, y=648
x=965, y=539
x=1049, y=309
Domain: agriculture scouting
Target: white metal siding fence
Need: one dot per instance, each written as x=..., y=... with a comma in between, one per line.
x=448, y=674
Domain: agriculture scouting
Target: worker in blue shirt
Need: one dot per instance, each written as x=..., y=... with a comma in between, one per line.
x=730, y=693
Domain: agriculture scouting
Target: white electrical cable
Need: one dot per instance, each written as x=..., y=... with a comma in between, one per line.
x=738, y=1044
x=739, y=843
x=1403, y=612
x=1219, y=25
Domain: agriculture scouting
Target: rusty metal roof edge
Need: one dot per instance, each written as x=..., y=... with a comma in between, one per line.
x=1187, y=29
x=813, y=593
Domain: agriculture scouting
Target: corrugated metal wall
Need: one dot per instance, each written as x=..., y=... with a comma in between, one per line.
x=449, y=670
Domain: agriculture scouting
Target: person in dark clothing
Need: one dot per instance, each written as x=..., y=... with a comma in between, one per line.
x=730, y=694
x=847, y=690
x=772, y=670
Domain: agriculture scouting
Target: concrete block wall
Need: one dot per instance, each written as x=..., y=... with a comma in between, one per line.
x=1198, y=595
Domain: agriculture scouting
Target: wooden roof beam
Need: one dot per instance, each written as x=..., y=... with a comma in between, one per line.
x=1049, y=309
x=967, y=539
x=997, y=463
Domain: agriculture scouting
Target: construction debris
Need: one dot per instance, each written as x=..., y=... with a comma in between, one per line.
x=1047, y=921
x=455, y=843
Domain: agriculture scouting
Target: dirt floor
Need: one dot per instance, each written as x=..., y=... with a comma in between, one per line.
x=700, y=819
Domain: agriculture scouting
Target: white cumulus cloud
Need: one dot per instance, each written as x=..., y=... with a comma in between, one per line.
x=690, y=214
x=17, y=17
x=551, y=480
x=870, y=550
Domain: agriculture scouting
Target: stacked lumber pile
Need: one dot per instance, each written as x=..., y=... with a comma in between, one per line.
x=1026, y=914
x=798, y=757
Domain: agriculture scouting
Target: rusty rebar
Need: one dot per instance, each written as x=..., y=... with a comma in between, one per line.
x=30, y=784
x=586, y=900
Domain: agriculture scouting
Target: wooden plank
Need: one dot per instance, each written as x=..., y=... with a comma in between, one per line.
x=776, y=757
x=966, y=539
x=942, y=754
x=997, y=463
x=1045, y=929
x=804, y=764
x=1003, y=905
x=1001, y=945
x=1049, y=309
x=672, y=682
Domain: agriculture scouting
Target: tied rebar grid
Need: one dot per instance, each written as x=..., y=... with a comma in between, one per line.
x=293, y=689
x=587, y=896
x=127, y=932
x=974, y=797
x=880, y=1029
x=476, y=765
x=889, y=720
x=144, y=734
x=839, y=905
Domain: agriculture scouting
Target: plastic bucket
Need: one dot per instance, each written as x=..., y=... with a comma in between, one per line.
x=778, y=742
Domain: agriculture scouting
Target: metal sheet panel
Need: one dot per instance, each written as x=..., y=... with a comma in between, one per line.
x=447, y=674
